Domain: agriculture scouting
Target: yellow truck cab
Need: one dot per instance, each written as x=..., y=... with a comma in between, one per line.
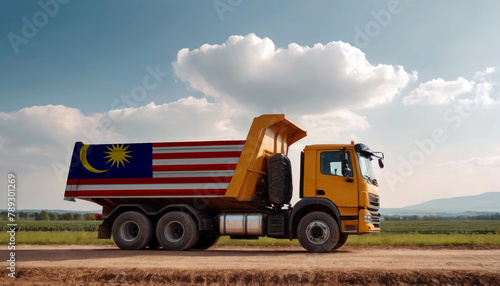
x=184, y=195
x=343, y=175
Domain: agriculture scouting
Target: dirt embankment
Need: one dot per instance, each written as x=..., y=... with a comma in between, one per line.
x=47, y=265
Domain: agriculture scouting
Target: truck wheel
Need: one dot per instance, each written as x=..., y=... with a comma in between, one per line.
x=207, y=240
x=132, y=230
x=318, y=232
x=177, y=231
x=342, y=240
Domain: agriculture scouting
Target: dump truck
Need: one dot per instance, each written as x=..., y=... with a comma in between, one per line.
x=184, y=195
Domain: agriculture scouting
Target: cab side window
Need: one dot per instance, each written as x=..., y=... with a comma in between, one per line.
x=331, y=164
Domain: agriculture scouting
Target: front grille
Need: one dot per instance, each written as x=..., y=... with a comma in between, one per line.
x=375, y=219
x=374, y=202
x=373, y=209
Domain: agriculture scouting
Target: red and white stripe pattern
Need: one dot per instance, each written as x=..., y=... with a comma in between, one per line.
x=180, y=169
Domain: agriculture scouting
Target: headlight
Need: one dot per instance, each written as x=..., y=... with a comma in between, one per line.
x=368, y=218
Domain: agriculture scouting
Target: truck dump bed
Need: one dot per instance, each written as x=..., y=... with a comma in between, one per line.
x=217, y=173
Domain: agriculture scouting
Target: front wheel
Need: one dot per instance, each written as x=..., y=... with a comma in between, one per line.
x=318, y=232
x=177, y=231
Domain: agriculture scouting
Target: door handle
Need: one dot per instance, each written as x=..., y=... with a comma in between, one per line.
x=350, y=180
x=320, y=192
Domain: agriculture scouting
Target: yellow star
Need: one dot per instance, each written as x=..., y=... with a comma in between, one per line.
x=118, y=154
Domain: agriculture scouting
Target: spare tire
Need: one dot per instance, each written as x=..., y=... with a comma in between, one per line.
x=279, y=179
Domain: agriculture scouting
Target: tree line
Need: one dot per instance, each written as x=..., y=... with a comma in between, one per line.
x=50, y=215
x=489, y=216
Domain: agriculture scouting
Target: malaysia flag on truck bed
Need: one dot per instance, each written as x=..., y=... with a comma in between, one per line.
x=172, y=169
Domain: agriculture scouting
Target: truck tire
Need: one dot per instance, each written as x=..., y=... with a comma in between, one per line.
x=207, y=240
x=132, y=230
x=279, y=179
x=318, y=232
x=342, y=240
x=177, y=231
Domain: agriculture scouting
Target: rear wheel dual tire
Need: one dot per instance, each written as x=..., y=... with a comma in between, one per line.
x=132, y=230
x=177, y=231
x=318, y=232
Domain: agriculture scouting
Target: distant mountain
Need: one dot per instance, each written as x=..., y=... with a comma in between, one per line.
x=468, y=205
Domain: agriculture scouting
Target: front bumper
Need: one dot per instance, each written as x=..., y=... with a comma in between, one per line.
x=368, y=221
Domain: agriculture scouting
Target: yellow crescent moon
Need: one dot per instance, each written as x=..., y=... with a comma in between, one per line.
x=85, y=163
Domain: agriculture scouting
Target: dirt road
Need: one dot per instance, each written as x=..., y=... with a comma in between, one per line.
x=255, y=265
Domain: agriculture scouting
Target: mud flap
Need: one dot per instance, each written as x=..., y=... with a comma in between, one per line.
x=104, y=231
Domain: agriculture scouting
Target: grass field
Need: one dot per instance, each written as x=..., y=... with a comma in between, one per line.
x=442, y=227
x=54, y=225
x=394, y=233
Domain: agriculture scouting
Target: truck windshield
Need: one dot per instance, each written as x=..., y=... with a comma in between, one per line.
x=365, y=166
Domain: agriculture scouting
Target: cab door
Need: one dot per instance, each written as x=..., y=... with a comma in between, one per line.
x=334, y=184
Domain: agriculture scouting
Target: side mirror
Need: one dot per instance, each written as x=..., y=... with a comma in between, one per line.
x=344, y=161
x=381, y=163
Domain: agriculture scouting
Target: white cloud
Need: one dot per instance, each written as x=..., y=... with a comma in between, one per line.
x=185, y=119
x=333, y=125
x=3, y=142
x=475, y=161
x=482, y=76
x=254, y=72
x=482, y=94
x=439, y=91
x=42, y=126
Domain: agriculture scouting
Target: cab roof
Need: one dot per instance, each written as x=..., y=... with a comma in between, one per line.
x=328, y=146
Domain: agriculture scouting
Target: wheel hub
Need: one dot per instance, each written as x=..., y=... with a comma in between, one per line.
x=174, y=231
x=129, y=231
x=317, y=232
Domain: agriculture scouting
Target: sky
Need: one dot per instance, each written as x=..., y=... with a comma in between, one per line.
x=417, y=80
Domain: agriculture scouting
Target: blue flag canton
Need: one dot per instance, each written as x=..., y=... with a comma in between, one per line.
x=112, y=161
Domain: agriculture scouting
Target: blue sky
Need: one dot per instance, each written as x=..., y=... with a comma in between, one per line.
x=91, y=53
